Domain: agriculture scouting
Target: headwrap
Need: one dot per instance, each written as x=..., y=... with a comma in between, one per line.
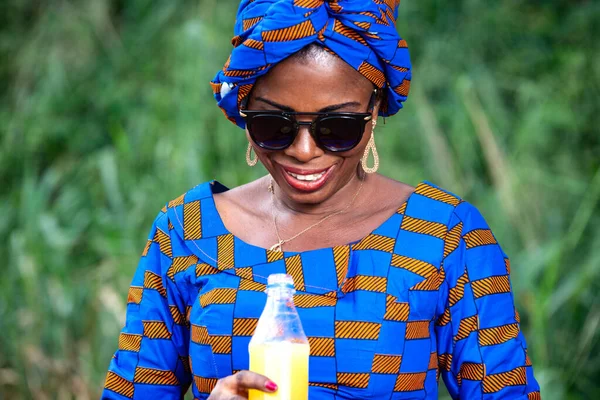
x=360, y=32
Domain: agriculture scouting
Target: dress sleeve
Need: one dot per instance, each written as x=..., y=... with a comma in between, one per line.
x=481, y=350
x=152, y=359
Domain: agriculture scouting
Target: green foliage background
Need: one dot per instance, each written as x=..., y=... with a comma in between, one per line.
x=106, y=114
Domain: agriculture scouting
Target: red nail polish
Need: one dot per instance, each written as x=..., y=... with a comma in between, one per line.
x=271, y=386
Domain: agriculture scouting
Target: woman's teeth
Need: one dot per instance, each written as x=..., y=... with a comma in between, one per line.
x=311, y=177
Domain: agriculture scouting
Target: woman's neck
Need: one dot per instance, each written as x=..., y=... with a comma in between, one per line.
x=341, y=199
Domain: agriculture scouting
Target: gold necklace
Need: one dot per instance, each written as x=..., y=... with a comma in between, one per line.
x=277, y=246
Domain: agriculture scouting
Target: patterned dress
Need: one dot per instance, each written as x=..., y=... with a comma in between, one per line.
x=426, y=293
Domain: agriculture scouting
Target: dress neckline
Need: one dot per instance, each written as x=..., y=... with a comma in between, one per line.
x=217, y=187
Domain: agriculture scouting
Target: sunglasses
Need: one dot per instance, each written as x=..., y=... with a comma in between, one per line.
x=333, y=131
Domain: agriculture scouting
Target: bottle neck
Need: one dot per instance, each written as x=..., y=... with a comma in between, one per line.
x=279, y=321
x=279, y=293
x=280, y=300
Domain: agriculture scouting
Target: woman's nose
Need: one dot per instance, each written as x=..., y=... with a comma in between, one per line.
x=304, y=148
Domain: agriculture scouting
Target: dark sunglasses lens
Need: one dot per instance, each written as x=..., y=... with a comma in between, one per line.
x=272, y=132
x=339, y=133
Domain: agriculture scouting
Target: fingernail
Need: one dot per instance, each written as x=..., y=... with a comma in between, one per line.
x=271, y=386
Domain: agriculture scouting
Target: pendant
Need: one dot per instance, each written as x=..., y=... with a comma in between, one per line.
x=277, y=246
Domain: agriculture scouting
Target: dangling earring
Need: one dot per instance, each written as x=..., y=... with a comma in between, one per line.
x=249, y=160
x=370, y=148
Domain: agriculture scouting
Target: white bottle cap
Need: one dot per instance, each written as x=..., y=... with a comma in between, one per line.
x=280, y=279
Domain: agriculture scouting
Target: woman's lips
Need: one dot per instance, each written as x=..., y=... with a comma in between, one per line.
x=306, y=180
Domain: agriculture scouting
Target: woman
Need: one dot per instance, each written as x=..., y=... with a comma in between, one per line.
x=395, y=284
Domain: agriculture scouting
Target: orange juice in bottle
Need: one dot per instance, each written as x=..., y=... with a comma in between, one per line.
x=279, y=348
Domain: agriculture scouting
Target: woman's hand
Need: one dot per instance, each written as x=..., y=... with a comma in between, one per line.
x=235, y=387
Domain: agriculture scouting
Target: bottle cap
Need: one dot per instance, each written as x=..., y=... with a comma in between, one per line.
x=280, y=280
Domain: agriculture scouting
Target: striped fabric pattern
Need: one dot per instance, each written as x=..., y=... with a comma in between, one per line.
x=425, y=295
x=360, y=32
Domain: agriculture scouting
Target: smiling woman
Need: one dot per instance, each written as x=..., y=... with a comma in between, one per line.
x=399, y=284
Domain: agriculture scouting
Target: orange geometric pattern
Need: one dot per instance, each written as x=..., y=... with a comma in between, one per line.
x=119, y=385
x=375, y=242
x=433, y=192
x=457, y=292
x=322, y=346
x=247, y=284
x=413, y=265
x=445, y=361
x=192, y=221
x=225, y=251
x=466, y=326
x=244, y=272
x=130, y=342
x=350, y=33
x=417, y=330
x=274, y=255
x=154, y=377
x=178, y=316
x=386, y=364
x=452, y=239
x=491, y=285
x=298, y=31
x=154, y=281
x=479, y=237
x=472, y=371
x=156, y=330
x=444, y=319
x=409, y=382
x=250, y=22
x=256, y=45
x=293, y=267
x=423, y=227
x=331, y=386
x=432, y=283
x=372, y=73
x=203, y=269
x=164, y=242
x=364, y=282
x=313, y=300
x=354, y=380
x=402, y=209
x=135, y=295
x=205, y=385
x=433, y=361
x=498, y=334
x=176, y=202
x=146, y=248
x=534, y=396
x=200, y=334
x=496, y=382
x=403, y=88
x=395, y=311
x=357, y=330
x=244, y=326
x=308, y=3
x=341, y=255
x=181, y=264
x=218, y=296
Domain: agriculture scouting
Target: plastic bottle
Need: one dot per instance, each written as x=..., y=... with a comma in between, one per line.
x=279, y=348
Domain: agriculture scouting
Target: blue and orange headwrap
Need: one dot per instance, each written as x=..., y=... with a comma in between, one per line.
x=360, y=32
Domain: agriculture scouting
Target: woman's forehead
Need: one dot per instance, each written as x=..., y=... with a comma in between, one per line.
x=311, y=82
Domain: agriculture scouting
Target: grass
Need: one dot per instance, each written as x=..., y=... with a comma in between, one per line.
x=106, y=114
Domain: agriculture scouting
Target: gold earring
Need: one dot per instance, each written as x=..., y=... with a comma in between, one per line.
x=249, y=160
x=370, y=148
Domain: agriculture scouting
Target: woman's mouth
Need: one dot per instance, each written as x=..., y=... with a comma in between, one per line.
x=306, y=180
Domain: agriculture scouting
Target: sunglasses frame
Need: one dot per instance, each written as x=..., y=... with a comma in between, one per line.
x=360, y=118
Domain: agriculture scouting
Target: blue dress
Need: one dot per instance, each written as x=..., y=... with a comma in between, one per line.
x=426, y=293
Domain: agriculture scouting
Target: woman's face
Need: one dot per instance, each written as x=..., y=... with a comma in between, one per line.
x=313, y=85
